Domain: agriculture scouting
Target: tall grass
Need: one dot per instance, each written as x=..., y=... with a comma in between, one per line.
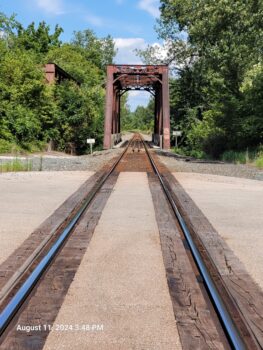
x=236, y=157
x=15, y=165
x=245, y=157
x=9, y=147
x=259, y=161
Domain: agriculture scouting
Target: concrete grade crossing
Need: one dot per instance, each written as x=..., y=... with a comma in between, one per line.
x=121, y=282
x=125, y=289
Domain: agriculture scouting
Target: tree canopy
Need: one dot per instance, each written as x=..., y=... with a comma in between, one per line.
x=140, y=119
x=215, y=51
x=32, y=112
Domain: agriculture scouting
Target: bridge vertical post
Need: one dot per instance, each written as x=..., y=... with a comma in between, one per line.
x=109, y=108
x=166, y=108
x=155, y=114
x=118, y=112
x=160, y=127
x=114, y=111
x=158, y=120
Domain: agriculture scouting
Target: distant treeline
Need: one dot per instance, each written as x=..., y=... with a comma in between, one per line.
x=33, y=113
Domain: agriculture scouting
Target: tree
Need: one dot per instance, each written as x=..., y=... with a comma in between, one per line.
x=141, y=119
x=98, y=51
x=33, y=112
x=212, y=46
x=38, y=39
x=21, y=95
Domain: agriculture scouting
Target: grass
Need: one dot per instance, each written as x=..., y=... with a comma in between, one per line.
x=237, y=157
x=193, y=153
x=9, y=147
x=245, y=157
x=259, y=161
x=15, y=166
x=254, y=157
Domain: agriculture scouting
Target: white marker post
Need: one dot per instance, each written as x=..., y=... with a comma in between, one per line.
x=90, y=142
x=177, y=134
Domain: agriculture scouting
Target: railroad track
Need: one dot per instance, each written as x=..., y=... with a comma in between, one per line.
x=234, y=329
x=239, y=336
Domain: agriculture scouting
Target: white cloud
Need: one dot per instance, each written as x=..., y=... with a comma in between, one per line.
x=94, y=20
x=126, y=47
x=54, y=7
x=150, y=6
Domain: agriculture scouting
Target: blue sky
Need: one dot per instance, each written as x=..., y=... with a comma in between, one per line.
x=129, y=22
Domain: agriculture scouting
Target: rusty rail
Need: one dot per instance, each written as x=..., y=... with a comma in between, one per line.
x=229, y=326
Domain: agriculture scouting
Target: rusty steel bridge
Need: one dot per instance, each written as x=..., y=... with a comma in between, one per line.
x=151, y=78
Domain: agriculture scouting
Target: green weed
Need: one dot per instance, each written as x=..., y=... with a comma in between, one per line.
x=15, y=166
x=259, y=161
x=8, y=147
x=235, y=157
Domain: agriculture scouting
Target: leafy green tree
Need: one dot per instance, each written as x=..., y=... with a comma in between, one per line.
x=38, y=39
x=7, y=27
x=251, y=110
x=21, y=90
x=73, y=61
x=33, y=112
x=141, y=119
x=212, y=48
x=98, y=51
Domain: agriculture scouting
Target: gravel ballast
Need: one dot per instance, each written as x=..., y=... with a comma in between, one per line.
x=64, y=162
x=225, y=169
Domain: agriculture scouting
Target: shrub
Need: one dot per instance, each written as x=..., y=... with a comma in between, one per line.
x=259, y=160
x=8, y=147
x=179, y=151
x=215, y=145
x=197, y=154
x=203, y=136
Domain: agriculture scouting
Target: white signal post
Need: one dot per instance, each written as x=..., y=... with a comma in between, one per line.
x=177, y=134
x=90, y=142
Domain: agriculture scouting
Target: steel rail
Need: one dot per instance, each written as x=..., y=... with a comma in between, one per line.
x=228, y=324
x=21, y=295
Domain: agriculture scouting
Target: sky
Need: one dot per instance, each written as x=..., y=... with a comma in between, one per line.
x=130, y=22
